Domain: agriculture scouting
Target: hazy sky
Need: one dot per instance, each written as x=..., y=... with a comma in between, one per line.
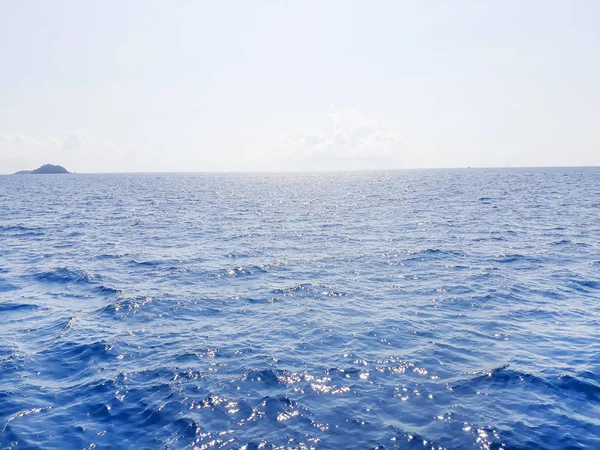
x=294, y=85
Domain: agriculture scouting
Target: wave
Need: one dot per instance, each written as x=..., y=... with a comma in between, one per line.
x=228, y=272
x=107, y=291
x=10, y=307
x=21, y=230
x=266, y=376
x=584, y=285
x=64, y=275
x=576, y=246
x=242, y=271
x=563, y=242
x=76, y=352
x=7, y=287
x=108, y=256
x=439, y=253
x=497, y=375
x=586, y=383
x=310, y=289
x=126, y=304
x=149, y=263
x=510, y=258
x=69, y=276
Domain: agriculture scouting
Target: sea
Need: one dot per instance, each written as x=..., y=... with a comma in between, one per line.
x=425, y=309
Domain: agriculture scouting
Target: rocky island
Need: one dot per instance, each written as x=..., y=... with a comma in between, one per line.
x=43, y=170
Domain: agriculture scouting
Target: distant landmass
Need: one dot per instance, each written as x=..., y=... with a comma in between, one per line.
x=43, y=170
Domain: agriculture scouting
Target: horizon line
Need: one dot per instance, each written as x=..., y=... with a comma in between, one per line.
x=408, y=169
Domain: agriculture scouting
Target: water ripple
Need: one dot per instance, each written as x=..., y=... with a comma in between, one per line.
x=426, y=309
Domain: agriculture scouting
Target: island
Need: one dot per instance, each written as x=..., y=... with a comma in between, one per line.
x=44, y=170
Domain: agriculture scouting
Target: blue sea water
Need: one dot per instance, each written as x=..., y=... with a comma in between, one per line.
x=421, y=309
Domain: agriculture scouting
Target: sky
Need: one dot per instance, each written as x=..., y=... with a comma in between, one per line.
x=182, y=85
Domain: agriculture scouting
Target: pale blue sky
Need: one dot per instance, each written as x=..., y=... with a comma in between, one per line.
x=299, y=85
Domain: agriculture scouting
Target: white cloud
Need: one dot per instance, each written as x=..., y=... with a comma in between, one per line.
x=346, y=139
x=17, y=143
x=73, y=141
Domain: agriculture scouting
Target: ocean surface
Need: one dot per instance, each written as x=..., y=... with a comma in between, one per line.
x=421, y=309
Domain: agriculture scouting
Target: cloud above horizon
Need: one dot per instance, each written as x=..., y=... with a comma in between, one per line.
x=345, y=139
